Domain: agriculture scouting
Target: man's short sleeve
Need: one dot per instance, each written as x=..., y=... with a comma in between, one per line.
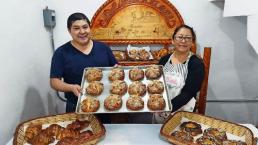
x=57, y=65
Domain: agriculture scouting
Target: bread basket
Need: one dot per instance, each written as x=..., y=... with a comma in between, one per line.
x=96, y=126
x=175, y=120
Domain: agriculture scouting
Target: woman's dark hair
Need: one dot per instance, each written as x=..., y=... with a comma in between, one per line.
x=74, y=17
x=187, y=27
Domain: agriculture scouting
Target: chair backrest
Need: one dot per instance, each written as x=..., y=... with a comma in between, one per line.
x=201, y=98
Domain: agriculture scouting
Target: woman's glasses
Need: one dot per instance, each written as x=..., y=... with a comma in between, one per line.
x=186, y=38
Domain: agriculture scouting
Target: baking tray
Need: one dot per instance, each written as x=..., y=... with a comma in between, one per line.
x=105, y=93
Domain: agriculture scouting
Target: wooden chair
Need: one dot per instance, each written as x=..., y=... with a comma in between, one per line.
x=202, y=96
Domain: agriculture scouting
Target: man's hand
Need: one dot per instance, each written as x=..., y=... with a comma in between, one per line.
x=116, y=65
x=76, y=89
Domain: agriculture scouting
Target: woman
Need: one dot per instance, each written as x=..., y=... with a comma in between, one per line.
x=184, y=71
x=70, y=59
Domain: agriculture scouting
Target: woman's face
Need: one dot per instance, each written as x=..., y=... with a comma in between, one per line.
x=80, y=32
x=183, y=40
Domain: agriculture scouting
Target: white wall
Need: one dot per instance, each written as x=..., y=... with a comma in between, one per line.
x=25, y=61
x=26, y=53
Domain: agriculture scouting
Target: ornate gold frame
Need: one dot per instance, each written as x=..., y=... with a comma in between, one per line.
x=135, y=22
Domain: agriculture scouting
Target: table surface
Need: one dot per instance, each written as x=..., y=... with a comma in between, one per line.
x=132, y=134
x=138, y=134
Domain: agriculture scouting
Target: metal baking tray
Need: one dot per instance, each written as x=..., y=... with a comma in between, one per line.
x=106, y=92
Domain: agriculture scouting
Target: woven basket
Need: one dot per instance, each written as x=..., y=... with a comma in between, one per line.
x=97, y=127
x=232, y=128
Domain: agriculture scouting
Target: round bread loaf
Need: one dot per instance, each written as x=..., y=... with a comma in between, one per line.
x=156, y=102
x=116, y=74
x=182, y=137
x=118, y=87
x=137, y=88
x=94, y=88
x=135, y=102
x=93, y=74
x=155, y=87
x=113, y=102
x=153, y=72
x=90, y=104
x=136, y=74
x=191, y=127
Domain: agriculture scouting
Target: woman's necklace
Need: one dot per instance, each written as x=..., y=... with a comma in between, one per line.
x=179, y=59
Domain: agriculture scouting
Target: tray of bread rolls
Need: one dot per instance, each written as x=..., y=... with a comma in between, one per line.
x=63, y=129
x=188, y=128
x=123, y=89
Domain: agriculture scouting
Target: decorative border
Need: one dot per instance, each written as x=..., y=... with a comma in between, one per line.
x=165, y=10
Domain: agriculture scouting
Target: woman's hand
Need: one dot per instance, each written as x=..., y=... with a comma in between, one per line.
x=76, y=89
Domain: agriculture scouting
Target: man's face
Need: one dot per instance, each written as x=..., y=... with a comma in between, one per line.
x=80, y=32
